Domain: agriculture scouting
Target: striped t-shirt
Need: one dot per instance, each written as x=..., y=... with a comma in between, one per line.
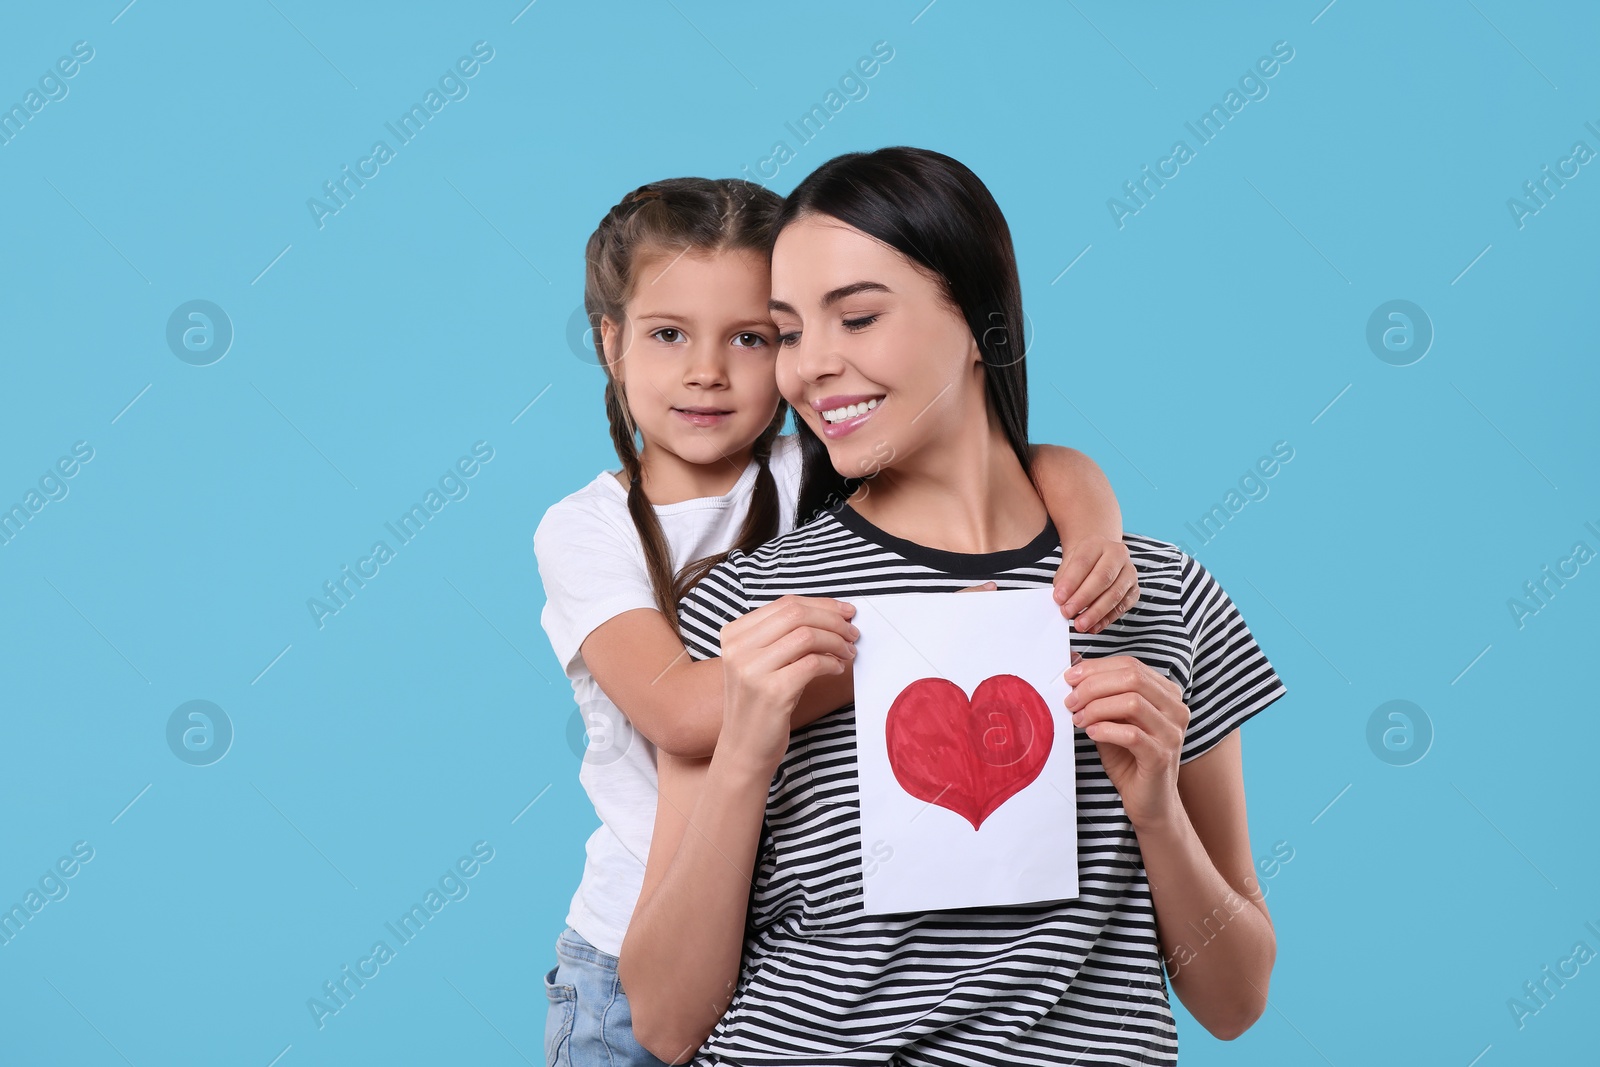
x=1076, y=981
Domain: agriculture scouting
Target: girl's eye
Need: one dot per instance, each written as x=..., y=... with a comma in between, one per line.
x=749, y=340
x=860, y=324
x=662, y=335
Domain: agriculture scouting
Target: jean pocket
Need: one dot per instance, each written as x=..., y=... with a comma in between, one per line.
x=572, y=947
x=563, y=1009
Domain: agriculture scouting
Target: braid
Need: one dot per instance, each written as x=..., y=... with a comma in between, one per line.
x=657, y=560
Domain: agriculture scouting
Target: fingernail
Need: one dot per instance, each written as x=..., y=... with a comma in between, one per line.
x=1077, y=719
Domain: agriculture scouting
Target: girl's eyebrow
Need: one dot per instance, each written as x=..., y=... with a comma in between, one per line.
x=833, y=296
x=741, y=324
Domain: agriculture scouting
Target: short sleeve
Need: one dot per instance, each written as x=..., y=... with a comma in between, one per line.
x=1231, y=679
x=715, y=601
x=592, y=572
x=785, y=464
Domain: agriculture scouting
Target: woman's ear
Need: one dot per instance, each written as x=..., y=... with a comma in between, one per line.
x=611, y=345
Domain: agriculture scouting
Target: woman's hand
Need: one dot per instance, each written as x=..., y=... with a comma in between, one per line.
x=1137, y=719
x=768, y=658
x=1096, y=583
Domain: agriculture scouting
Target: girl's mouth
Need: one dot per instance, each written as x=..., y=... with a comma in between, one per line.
x=703, y=416
x=843, y=415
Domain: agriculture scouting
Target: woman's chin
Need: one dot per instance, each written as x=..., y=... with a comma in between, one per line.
x=859, y=457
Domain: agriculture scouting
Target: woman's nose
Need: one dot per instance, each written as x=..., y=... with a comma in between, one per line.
x=814, y=360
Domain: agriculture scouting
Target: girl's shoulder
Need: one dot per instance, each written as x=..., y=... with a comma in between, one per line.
x=598, y=510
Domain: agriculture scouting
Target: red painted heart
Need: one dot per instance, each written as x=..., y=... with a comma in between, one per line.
x=968, y=756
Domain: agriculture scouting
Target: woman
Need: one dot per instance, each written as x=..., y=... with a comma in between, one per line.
x=895, y=293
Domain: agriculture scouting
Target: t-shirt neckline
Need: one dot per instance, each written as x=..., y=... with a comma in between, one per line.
x=973, y=564
x=694, y=503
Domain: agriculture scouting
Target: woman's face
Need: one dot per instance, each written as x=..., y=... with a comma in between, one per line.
x=871, y=354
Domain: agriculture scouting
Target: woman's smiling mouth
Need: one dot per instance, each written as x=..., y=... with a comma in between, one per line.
x=843, y=414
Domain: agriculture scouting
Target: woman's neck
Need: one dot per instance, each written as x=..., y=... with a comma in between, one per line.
x=965, y=494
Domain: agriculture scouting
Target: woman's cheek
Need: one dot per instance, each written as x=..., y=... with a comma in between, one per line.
x=789, y=383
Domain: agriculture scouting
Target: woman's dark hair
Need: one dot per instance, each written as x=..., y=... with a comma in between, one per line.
x=935, y=212
x=669, y=217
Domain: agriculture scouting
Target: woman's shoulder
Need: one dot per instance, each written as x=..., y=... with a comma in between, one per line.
x=1155, y=557
x=818, y=532
x=1170, y=577
x=742, y=570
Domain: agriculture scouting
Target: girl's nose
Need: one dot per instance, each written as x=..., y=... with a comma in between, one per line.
x=706, y=368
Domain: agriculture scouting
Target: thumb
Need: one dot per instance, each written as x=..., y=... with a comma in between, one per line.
x=986, y=587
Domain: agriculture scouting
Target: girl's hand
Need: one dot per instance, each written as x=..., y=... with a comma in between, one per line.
x=1137, y=719
x=1096, y=583
x=768, y=658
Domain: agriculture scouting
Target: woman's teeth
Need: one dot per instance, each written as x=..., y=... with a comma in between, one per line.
x=850, y=411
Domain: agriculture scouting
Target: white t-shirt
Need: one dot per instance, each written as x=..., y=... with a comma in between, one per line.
x=593, y=569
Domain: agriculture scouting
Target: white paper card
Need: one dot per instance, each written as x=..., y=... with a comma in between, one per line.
x=971, y=744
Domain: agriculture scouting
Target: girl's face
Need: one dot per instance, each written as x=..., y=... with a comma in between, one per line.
x=871, y=353
x=695, y=354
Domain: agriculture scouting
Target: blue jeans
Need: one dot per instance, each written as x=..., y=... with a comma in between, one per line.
x=589, y=1024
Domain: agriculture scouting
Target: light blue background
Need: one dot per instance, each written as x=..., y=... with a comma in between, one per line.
x=430, y=312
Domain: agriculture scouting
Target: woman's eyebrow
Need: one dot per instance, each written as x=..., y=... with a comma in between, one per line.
x=833, y=296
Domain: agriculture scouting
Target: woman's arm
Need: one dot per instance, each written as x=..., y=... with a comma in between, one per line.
x=1194, y=839
x=1211, y=915
x=686, y=937
x=1096, y=582
x=680, y=958
x=675, y=701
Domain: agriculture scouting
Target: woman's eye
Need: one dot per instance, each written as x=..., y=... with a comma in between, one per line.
x=860, y=324
x=749, y=340
x=668, y=335
x=788, y=340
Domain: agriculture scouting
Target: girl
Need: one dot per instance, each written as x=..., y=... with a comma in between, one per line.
x=749, y=942
x=677, y=283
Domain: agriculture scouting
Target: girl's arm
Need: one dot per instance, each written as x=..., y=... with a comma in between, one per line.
x=680, y=958
x=675, y=701
x=1096, y=582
